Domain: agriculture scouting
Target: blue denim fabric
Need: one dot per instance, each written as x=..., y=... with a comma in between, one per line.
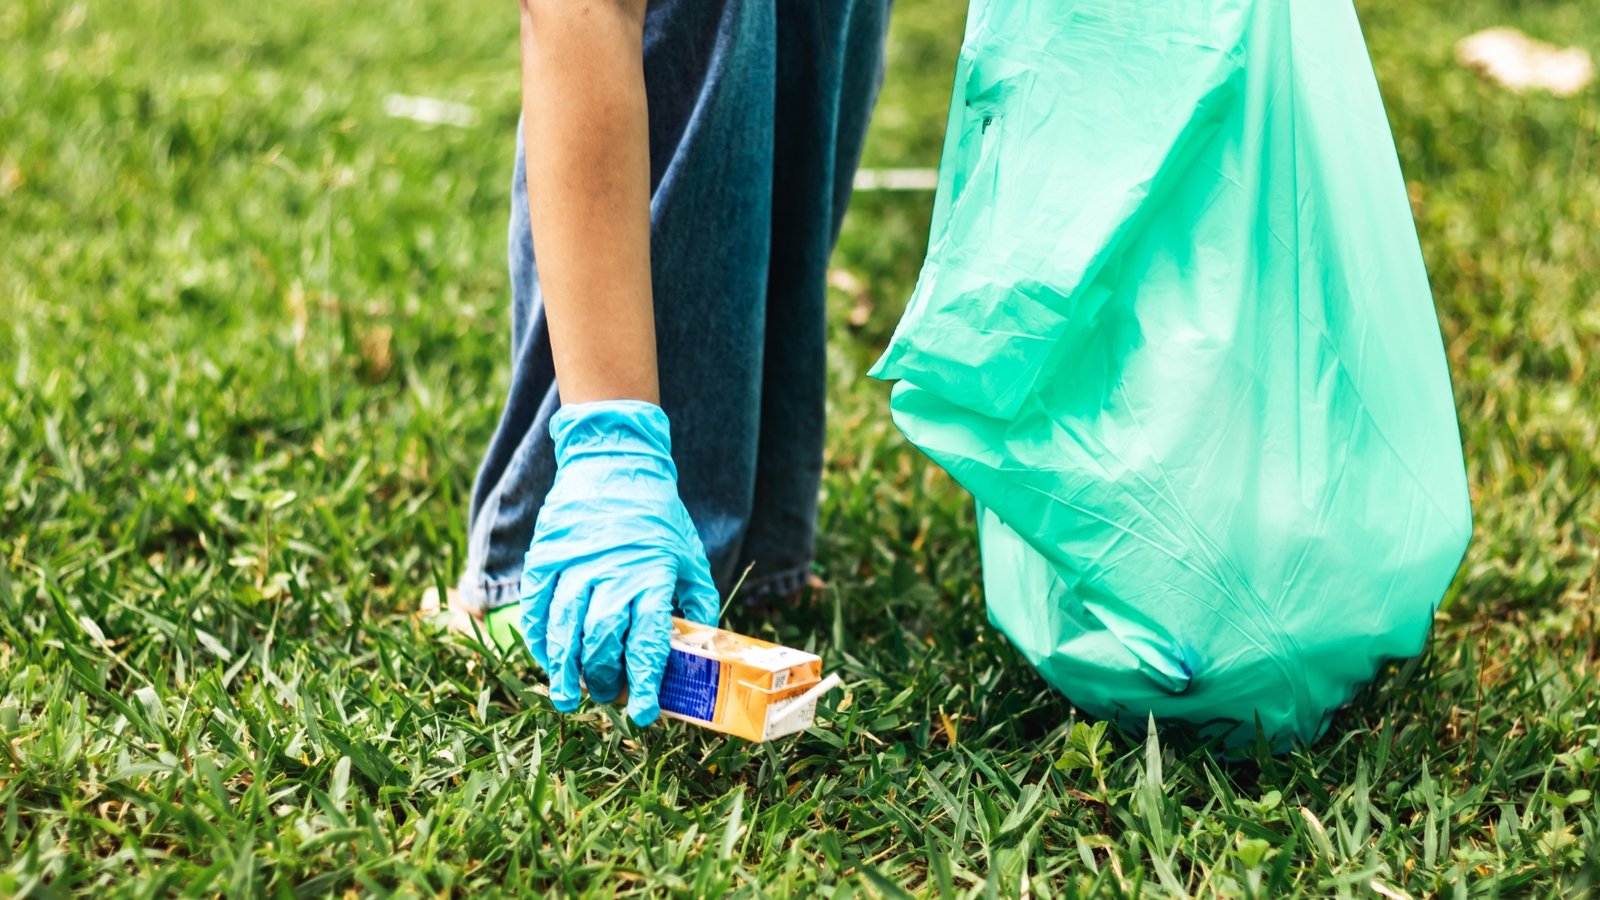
x=758, y=109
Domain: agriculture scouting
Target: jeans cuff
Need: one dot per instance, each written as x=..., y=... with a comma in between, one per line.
x=485, y=595
x=780, y=583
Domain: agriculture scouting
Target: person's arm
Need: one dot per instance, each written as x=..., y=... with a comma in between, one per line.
x=589, y=193
x=614, y=550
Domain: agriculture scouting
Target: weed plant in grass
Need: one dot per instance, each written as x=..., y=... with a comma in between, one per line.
x=252, y=342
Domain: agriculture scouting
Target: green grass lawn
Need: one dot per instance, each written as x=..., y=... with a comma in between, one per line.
x=252, y=341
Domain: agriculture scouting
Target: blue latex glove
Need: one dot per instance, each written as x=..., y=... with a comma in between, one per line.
x=612, y=548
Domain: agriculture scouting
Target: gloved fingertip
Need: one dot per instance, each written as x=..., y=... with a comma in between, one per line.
x=702, y=606
x=535, y=644
x=538, y=657
x=566, y=693
x=697, y=595
x=534, y=621
x=536, y=650
x=643, y=711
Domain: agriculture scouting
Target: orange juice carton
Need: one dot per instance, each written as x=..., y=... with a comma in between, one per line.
x=740, y=685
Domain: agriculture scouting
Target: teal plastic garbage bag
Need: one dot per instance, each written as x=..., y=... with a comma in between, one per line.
x=1175, y=335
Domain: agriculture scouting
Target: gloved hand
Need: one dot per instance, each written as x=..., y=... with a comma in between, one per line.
x=612, y=547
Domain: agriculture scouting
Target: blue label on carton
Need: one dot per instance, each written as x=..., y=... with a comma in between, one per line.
x=689, y=686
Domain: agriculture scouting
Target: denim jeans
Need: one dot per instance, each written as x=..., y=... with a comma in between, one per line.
x=757, y=113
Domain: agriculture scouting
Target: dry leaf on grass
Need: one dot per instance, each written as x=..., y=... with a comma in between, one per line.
x=429, y=110
x=1519, y=62
x=377, y=353
x=853, y=287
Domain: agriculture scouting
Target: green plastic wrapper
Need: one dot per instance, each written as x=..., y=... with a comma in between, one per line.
x=1175, y=335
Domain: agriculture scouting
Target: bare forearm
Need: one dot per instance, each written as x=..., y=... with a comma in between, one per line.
x=588, y=160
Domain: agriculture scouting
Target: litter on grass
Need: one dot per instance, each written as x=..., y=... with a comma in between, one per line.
x=1522, y=63
x=740, y=685
x=429, y=110
x=896, y=179
x=715, y=678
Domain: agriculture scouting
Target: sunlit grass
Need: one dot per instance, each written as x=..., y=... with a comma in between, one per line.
x=252, y=341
